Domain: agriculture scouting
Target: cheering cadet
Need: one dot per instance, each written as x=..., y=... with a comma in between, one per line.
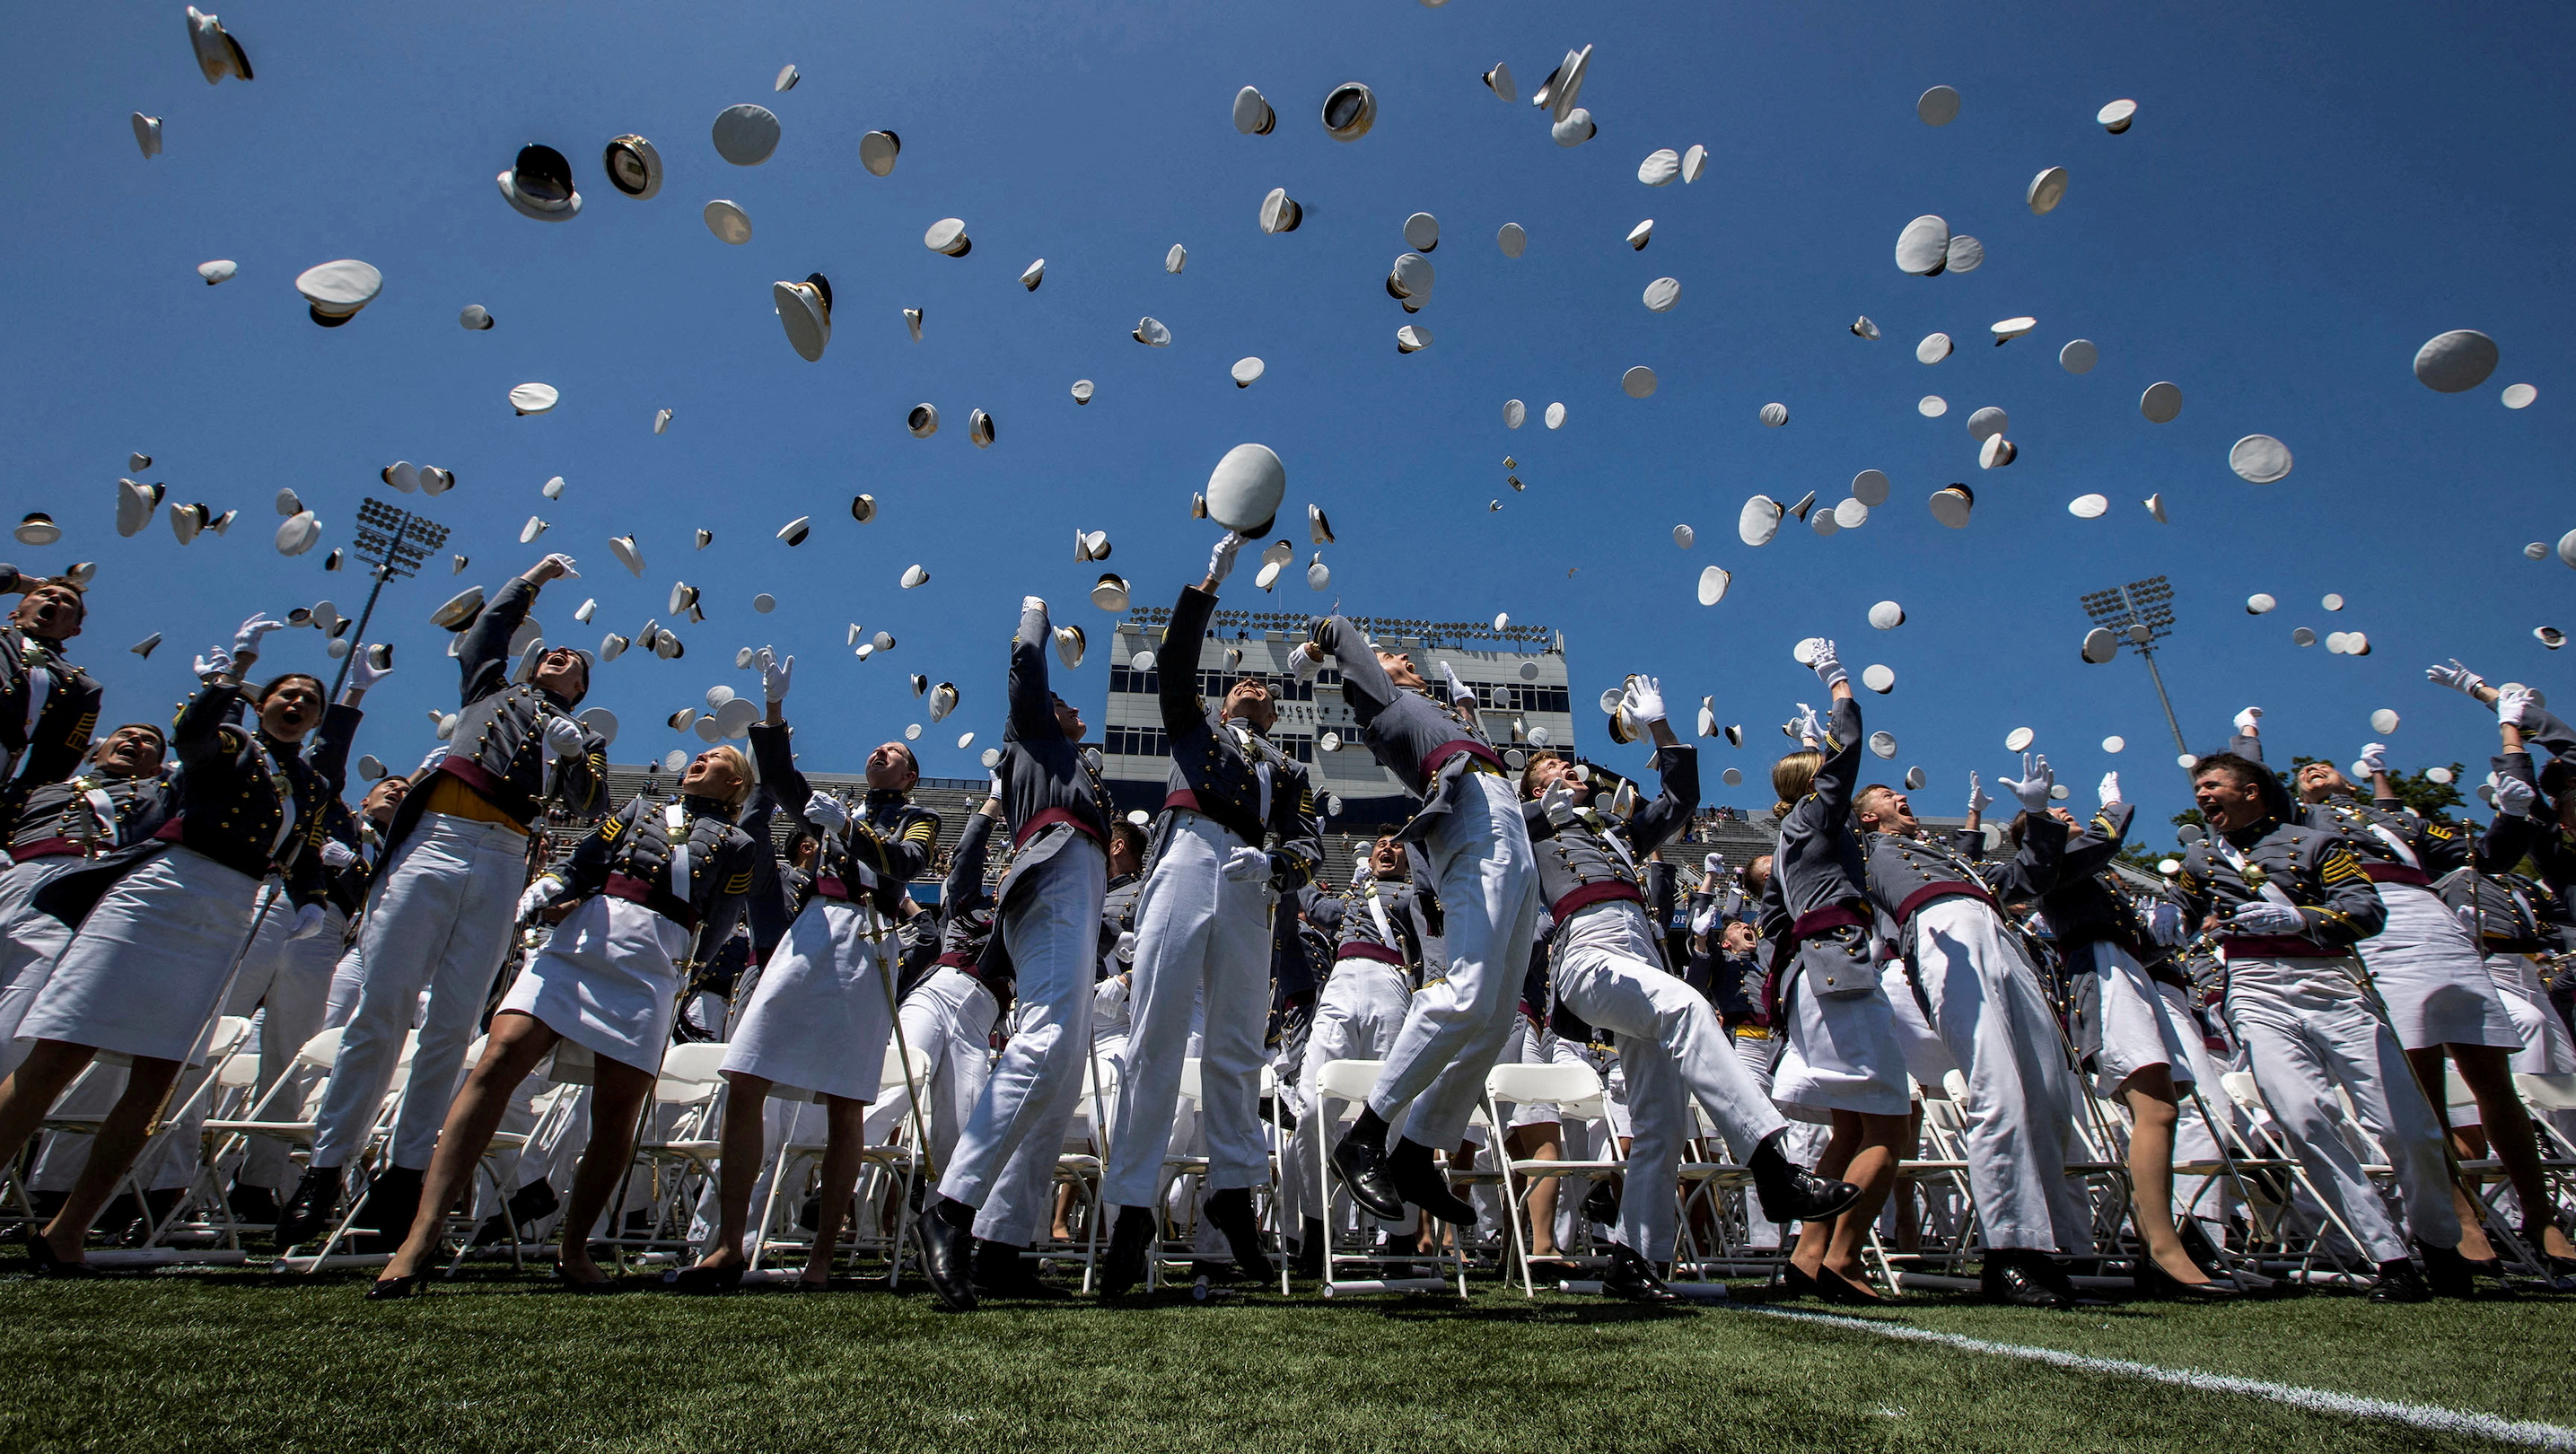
x=438, y=916
x=819, y=1022
x=2286, y=903
x=119, y=797
x=47, y=705
x=1477, y=853
x=1047, y=937
x=1962, y=966
x=285, y=977
x=2127, y=1028
x=1385, y=931
x=1842, y=1056
x=644, y=887
x=1203, y=941
x=2440, y=998
x=1607, y=970
x=162, y=925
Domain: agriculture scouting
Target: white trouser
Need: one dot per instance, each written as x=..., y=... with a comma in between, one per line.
x=1456, y=1025
x=289, y=983
x=438, y=918
x=1023, y=1196
x=1988, y=1009
x=1670, y=1044
x=1201, y=938
x=2307, y=1028
x=1357, y=1017
x=30, y=941
x=348, y=976
x=1050, y=927
x=948, y=1021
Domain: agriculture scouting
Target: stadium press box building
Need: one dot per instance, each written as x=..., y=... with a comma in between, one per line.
x=1518, y=674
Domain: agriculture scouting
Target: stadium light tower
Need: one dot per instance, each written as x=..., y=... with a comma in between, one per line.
x=2141, y=614
x=394, y=541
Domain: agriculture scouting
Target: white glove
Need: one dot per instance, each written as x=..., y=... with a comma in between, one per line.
x=1979, y=799
x=1458, y=692
x=1243, y=865
x=562, y=564
x=1829, y=667
x=362, y=672
x=1705, y=919
x=2110, y=788
x=1713, y=866
x=2250, y=721
x=308, y=922
x=1557, y=803
x=2455, y=676
x=1306, y=660
x=1221, y=559
x=993, y=788
x=336, y=854
x=774, y=675
x=2374, y=757
x=1032, y=603
x=2265, y=917
x=2035, y=782
x=563, y=737
x=1645, y=700
x=246, y=640
x=827, y=813
x=1125, y=953
x=1811, y=728
x=2511, y=704
x=214, y=663
x=2514, y=797
x=539, y=894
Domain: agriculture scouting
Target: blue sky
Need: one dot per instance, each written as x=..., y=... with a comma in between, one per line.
x=2308, y=194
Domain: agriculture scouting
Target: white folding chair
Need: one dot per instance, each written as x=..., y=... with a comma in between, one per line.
x=896, y=1163
x=376, y=1143
x=689, y=1088
x=1349, y=1082
x=1524, y=1084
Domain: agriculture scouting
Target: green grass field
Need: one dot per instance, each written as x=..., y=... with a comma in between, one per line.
x=242, y=1360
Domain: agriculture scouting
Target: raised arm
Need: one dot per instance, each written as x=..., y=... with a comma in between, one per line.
x=1183, y=641
x=2091, y=851
x=1032, y=700
x=483, y=655
x=1365, y=684
x=964, y=885
x=1676, y=766
x=2031, y=871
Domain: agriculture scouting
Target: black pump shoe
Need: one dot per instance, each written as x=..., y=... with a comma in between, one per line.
x=392, y=1289
x=2152, y=1281
x=50, y=1263
x=704, y=1279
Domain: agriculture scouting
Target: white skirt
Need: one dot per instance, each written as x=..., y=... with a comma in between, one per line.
x=2138, y=1029
x=2429, y=972
x=1843, y=1055
x=817, y=1023
x=144, y=971
x=608, y=981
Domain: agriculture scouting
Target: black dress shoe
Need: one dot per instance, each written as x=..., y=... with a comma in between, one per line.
x=392, y=1205
x=947, y=1255
x=1419, y=1181
x=1601, y=1204
x=50, y=1263
x=1632, y=1279
x=1311, y=1236
x=315, y=1202
x=391, y=1289
x=704, y=1279
x=1000, y=1271
x=2152, y=1281
x=1131, y=1242
x=2448, y=1273
x=1792, y=1193
x=1230, y=1211
x=529, y=1205
x=1361, y=1165
x=566, y=1282
x=1845, y=1292
x=251, y=1203
x=2020, y=1278
x=2399, y=1282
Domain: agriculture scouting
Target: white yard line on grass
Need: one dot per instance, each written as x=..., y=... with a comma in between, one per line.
x=2314, y=1400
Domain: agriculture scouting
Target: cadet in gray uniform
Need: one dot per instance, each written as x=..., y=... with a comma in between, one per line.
x=2126, y=1028
x=1047, y=931
x=1606, y=967
x=1238, y=829
x=2286, y=903
x=1478, y=856
x=1959, y=962
x=1841, y=1058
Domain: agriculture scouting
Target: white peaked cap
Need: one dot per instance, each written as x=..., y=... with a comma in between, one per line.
x=745, y=135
